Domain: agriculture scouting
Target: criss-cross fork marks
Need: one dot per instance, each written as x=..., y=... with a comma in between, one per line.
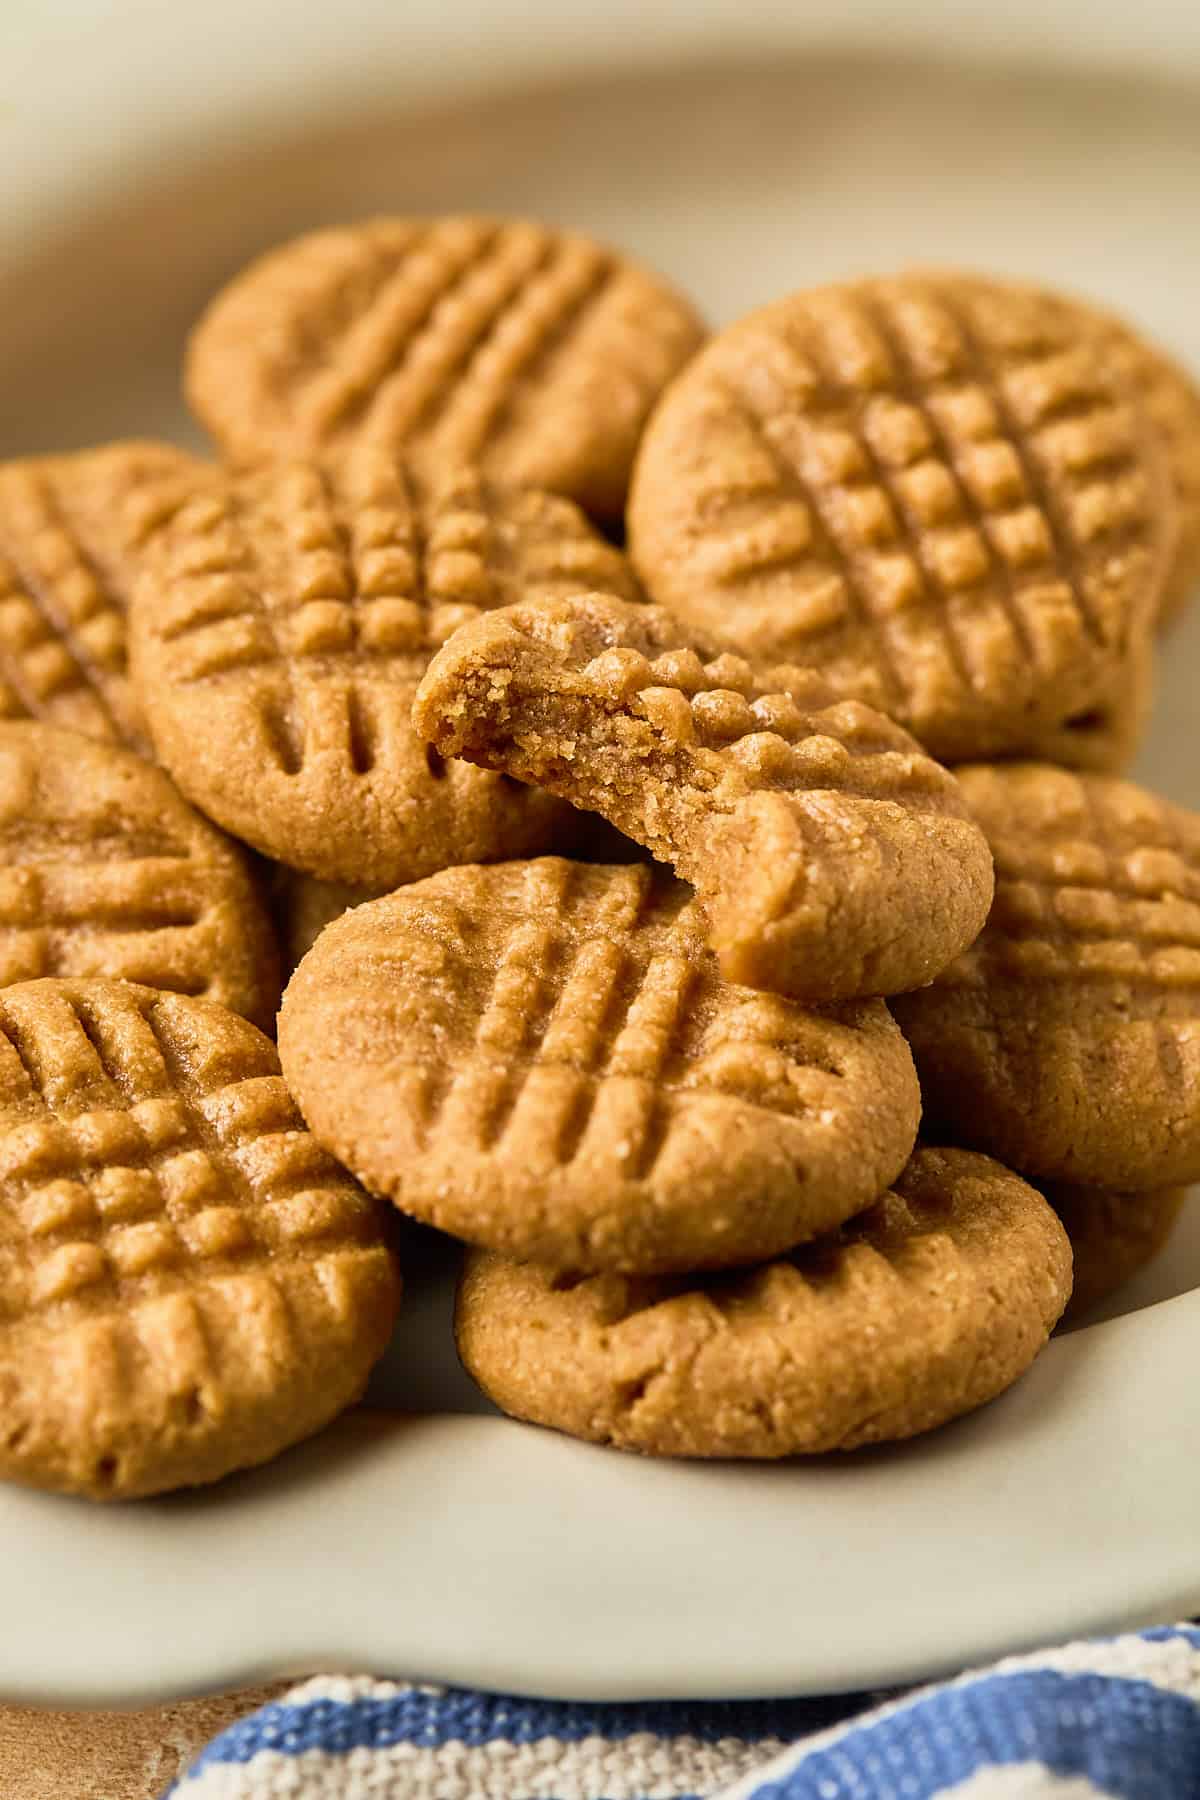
x=298, y=718
x=451, y=325
x=46, y=906
x=1070, y=929
x=450, y=383
x=1072, y=935
x=133, y=1153
x=959, y=495
x=62, y=631
x=413, y=275
x=598, y=1026
x=1098, y=908
x=796, y=738
x=780, y=728
x=286, y=568
x=1094, y=880
x=325, y=597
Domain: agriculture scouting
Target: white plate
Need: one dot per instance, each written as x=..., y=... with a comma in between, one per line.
x=467, y=1548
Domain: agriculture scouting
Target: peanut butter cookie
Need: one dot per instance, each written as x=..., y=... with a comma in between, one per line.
x=1067, y=1040
x=1171, y=400
x=543, y=1058
x=106, y=870
x=832, y=855
x=1112, y=1237
x=937, y=490
x=931, y=1303
x=536, y=354
x=188, y=1284
x=73, y=532
x=280, y=631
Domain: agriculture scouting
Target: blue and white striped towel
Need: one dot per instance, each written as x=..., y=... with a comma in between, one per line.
x=1113, y=1719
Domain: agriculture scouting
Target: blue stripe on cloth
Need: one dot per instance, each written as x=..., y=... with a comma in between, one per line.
x=1166, y=1634
x=1131, y=1739
x=462, y=1717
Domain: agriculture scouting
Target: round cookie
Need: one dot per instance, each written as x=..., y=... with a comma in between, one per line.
x=1067, y=1040
x=536, y=354
x=1112, y=1237
x=929, y=1304
x=1171, y=400
x=542, y=1058
x=279, y=633
x=73, y=531
x=832, y=856
x=188, y=1284
x=936, y=490
x=106, y=870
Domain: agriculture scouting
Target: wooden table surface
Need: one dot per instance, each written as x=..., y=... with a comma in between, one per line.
x=112, y=1755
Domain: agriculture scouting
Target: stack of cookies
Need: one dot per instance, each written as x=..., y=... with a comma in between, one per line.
x=639, y=902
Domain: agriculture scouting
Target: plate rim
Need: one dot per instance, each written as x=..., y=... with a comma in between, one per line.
x=710, y=1649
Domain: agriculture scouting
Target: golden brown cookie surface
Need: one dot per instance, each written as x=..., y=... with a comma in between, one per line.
x=304, y=905
x=543, y=1058
x=927, y=1305
x=1171, y=400
x=188, y=1284
x=73, y=532
x=1067, y=1040
x=1112, y=1237
x=534, y=353
x=832, y=855
x=279, y=634
x=935, y=490
x=106, y=870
